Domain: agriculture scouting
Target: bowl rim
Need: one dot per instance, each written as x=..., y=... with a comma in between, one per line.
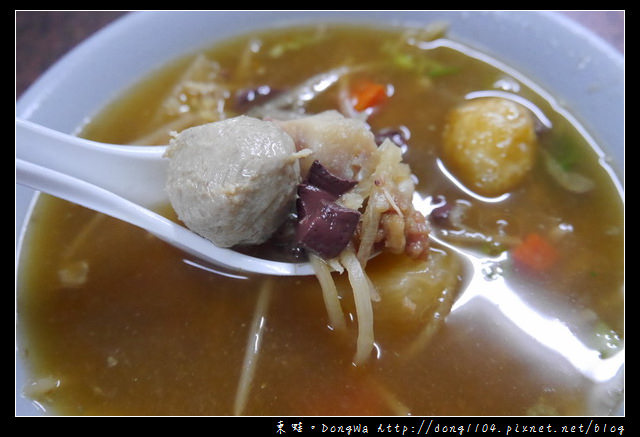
x=590, y=54
x=572, y=39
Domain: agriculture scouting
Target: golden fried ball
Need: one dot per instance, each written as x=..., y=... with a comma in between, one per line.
x=489, y=144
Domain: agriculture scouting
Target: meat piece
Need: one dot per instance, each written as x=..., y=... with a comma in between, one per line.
x=417, y=235
x=233, y=181
x=342, y=145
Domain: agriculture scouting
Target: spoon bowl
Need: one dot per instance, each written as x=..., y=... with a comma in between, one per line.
x=124, y=182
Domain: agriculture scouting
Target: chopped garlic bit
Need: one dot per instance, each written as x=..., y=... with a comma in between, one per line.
x=112, y=361
x=73, y=273
x=38, y=388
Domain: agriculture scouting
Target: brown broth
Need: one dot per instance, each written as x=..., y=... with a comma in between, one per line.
x=151, y=333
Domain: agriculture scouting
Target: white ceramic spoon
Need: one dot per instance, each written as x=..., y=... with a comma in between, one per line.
x=124, y=182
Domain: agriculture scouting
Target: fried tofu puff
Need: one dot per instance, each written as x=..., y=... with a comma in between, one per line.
x=489, y=144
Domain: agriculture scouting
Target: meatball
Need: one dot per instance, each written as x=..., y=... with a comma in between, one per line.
x=489, y=144
x=233, y=181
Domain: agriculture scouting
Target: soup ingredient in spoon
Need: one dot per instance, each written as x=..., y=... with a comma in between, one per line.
x=233, y=181
x=324, y=226
x=343, y=145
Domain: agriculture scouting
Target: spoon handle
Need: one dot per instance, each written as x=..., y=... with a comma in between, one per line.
x=81, y=193
x=98, y=199
x=135, y=173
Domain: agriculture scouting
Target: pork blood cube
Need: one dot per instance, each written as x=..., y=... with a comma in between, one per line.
x=320, y=177
x=310, y=198
x=324, y=226
x=327, y=228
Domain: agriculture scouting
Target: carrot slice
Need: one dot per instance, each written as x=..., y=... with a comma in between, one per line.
x=536, y=253
x=369, y=94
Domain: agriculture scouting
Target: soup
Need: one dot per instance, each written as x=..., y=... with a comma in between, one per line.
x=518, y=308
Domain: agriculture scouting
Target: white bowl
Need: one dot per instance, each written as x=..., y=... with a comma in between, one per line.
x=583, y=73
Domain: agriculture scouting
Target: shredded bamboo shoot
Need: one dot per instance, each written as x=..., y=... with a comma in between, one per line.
x=364, y=311
x=254, y=341
x=329, y=292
